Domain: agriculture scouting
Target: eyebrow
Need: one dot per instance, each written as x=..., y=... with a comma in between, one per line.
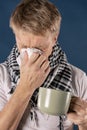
x=40, y=47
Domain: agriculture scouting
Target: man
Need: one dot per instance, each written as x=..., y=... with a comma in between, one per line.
x=36, y=24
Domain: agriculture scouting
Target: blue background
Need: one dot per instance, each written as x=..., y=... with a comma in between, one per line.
x=73, y=34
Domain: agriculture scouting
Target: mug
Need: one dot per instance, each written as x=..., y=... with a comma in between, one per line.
x=53, y=102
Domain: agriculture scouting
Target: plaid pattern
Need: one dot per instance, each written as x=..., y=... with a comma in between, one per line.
x=59, y=77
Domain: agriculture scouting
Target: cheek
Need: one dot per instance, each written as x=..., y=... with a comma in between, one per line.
x=48, y=51
x=18, y=43
x=18, y=46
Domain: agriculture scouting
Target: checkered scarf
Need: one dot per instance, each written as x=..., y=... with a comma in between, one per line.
x=59, y=77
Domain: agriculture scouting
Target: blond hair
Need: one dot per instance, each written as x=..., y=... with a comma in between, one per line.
x=36, y=16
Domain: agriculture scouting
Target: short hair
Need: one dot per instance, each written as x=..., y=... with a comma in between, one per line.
x=36, y=16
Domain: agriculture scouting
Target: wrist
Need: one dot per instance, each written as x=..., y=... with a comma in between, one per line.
x=26, y=88
x=23, y=93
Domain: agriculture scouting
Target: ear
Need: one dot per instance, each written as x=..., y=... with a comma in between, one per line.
x=55, y=37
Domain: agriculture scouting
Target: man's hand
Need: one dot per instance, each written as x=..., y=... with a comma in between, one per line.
x=78, y=113
x=33, y=71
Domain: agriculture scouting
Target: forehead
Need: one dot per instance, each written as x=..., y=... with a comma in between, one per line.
x=30, y=40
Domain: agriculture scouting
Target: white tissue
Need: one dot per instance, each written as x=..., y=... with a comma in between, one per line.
x=30, y=51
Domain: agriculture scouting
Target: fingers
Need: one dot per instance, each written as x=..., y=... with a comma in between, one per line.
x=40, y=61
x=44, y=64
x=79, y=101
x=47, y=71
x=76, y=119
x=34, y=57
x=78, y=111
x=78, y=105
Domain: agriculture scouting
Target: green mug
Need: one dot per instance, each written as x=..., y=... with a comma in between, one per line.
x=53, y=102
